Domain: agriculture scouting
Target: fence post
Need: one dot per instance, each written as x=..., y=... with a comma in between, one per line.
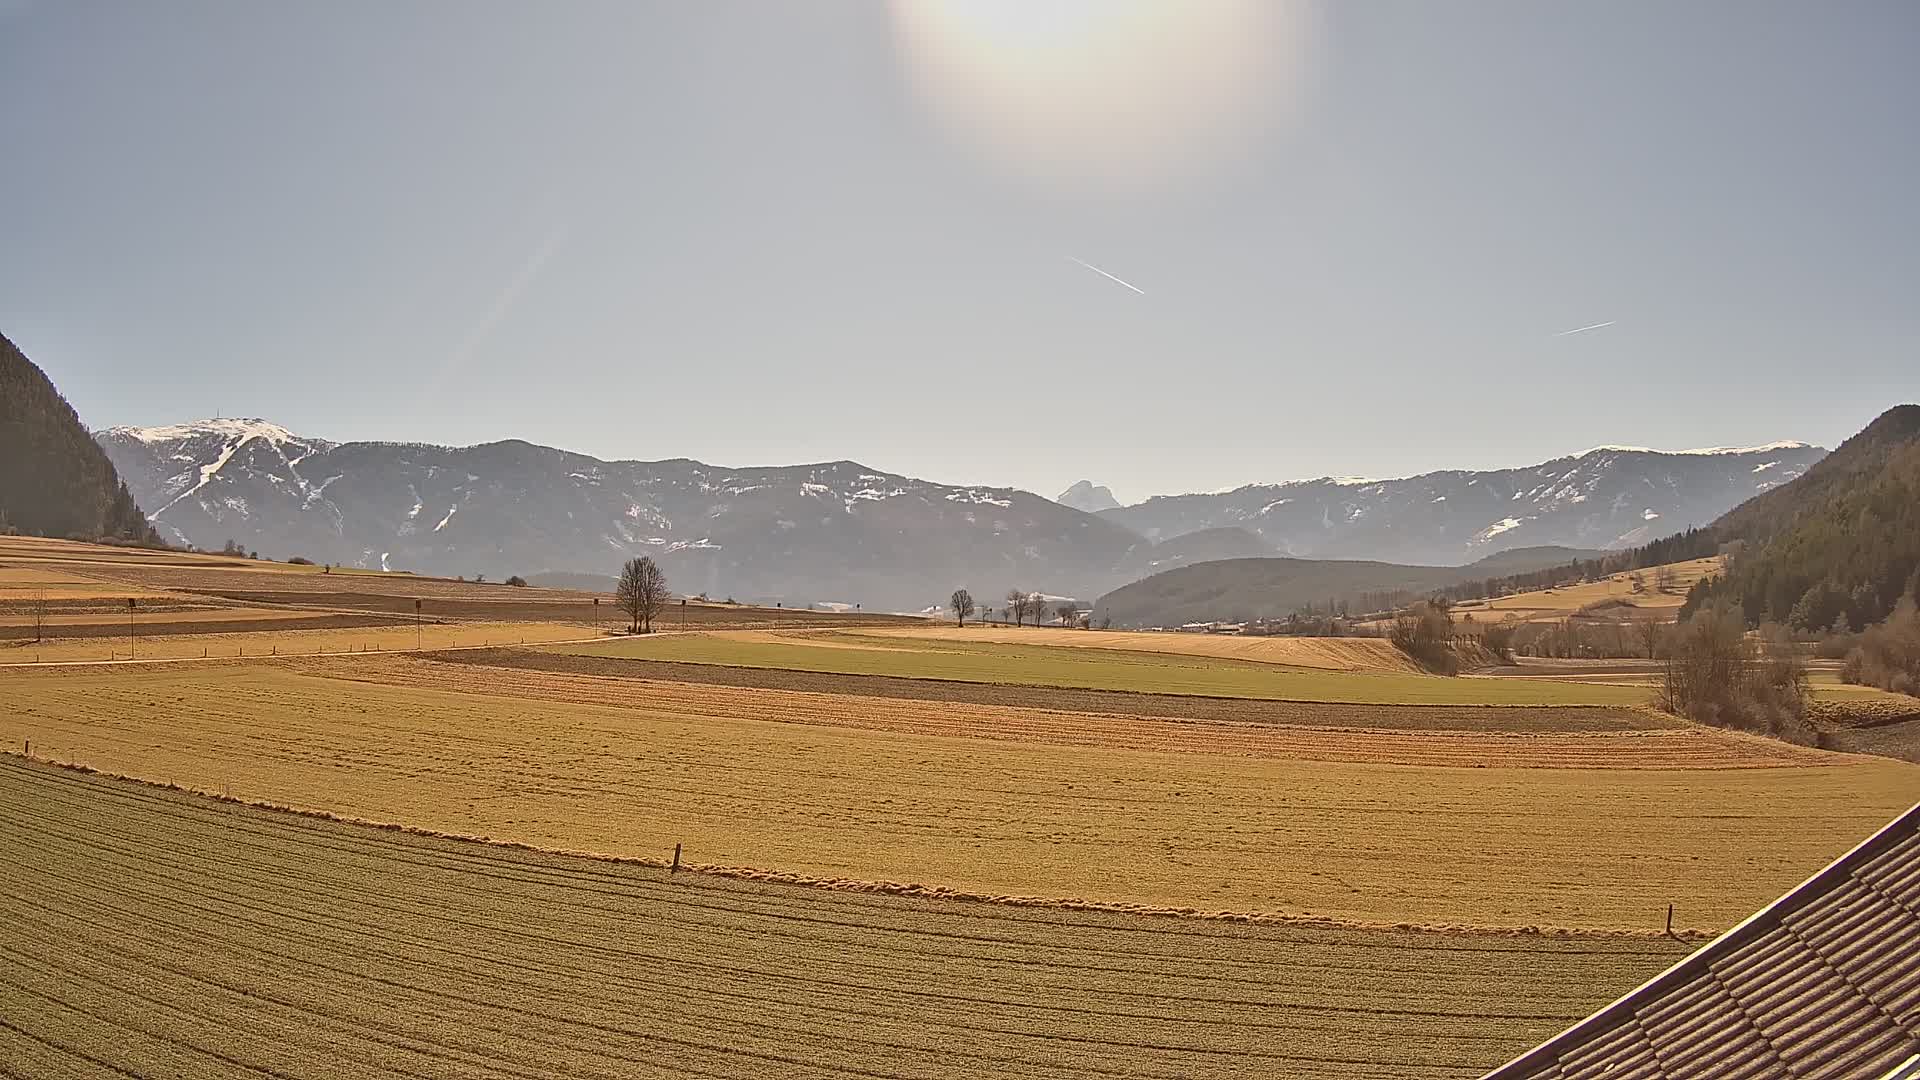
x=1669, y=920
x=676, y=860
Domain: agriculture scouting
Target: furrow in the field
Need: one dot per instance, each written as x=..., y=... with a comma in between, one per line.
x=1210, y=832
x=833, y=914
x=1544, y=748
x=415, y=950
x=1425, y=1024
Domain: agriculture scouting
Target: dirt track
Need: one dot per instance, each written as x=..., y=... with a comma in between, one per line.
x=1558, y=718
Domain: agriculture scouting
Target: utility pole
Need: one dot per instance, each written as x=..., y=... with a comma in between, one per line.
x=130, y=606
x=418, y=646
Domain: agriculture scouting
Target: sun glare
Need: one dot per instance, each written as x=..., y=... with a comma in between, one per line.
x=1125, y=95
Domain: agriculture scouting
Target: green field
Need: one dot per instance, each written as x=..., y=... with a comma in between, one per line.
x=903, y=656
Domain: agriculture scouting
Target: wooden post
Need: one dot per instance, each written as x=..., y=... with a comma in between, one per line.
x=1669, y=920
x=676, y=860
x=28, y=752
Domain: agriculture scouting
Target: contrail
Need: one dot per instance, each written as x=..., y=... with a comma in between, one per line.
x=1584, y=329
x=1108, y=276
x=505, y=300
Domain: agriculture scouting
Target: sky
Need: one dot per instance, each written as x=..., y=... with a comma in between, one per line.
x=1351, y=235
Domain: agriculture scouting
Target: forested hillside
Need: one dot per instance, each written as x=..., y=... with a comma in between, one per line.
x=1238, y=590
x=1837, y=547
x=54, y=479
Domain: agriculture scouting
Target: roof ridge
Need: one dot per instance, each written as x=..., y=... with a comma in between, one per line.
x=1701, y=961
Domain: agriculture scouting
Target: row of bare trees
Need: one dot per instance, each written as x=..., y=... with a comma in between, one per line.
x=1021, y=606
x=1025, y=605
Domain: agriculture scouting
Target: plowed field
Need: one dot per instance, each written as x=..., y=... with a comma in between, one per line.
x=911, y=656
x=157, y=933
x=1352, y=840
x=1366, y=733
x=1338, y=654
x=162, y=640
x=1519, y=718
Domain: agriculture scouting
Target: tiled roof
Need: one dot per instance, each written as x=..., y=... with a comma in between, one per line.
x=1823, y=982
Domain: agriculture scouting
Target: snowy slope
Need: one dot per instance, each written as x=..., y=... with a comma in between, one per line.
x=1607, y=497
x=835, y=530
x=841, y=531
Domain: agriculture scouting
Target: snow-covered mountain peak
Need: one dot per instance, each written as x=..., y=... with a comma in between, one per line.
x=229, y=427
x=1784, y=444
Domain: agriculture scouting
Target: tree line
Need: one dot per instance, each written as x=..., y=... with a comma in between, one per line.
x=1021, y=607
x=54, y=479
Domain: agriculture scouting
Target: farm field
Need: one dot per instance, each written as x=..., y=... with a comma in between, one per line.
x=155, y=932
x=1338, y=654
x=1568, y=600
x=1048, y=852
x=1243, y=711
x=178, y=641
x=80, y=590
x=834, y=789
x=905, y=654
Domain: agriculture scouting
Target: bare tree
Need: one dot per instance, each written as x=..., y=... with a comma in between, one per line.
x=962, y=605
x=1017, y=605
x=1036, y=607
x=39, y=615
x=642, y=592
x=1664, y=578
x=1649, y=633
x=1066, y=614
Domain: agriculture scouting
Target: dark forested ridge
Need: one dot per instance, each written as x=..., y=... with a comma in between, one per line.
x=1838, y=546
x=54, y=479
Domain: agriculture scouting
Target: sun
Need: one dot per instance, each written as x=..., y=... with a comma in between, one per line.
x=1124, y=95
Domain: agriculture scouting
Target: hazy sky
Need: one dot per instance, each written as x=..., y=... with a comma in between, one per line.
x=757, y=233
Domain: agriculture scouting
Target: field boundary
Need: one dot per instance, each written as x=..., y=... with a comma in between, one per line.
x=16, y=758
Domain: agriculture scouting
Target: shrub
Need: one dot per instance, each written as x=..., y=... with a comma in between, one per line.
x=1425, y=633
x=1499, y=640
x=1716, y=674
x=517, y=581
x=1887, y=654
x=299, y=560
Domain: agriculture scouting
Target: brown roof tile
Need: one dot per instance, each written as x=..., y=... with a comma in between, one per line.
x=1824, y=982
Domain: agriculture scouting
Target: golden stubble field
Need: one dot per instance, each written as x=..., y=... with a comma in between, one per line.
x=387, y=637
x=159, y=933
x=1206, y=829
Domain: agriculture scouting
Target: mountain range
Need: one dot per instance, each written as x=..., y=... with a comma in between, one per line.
x=846, y=532
x=1607, y=497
